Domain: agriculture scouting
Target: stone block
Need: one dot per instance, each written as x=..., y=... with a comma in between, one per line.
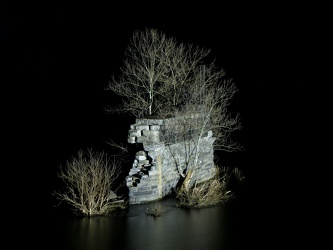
x=141, y=139
x=134, y=133
x=155, y=121
x=130, y=195
x=153, y=146
x=142, y=127
x=133, y=189
x=153, y=179
x=140, y=193
x=150, y=132
x=156, y=127
x=131, y=140
x=153, y=139
x=141, y=152
x=129, y=183
x=133, y=171
x=143, y=184
x=141, y=158
x=153, y=171
x=143, y=189
x=139, y=121
x=145, y=176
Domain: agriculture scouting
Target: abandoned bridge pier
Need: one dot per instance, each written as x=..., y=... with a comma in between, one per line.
x=169, y=148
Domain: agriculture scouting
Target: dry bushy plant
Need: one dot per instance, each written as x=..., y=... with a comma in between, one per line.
x=208, y=193
x=89, y=184
x=156, y=210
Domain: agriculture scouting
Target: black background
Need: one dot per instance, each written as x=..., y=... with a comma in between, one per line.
x=57, y=60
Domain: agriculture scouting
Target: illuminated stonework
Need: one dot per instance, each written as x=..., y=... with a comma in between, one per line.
x=167, y=150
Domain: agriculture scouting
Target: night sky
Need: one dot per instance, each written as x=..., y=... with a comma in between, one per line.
x=58, y=60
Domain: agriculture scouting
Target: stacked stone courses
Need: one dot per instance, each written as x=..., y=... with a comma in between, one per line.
x=156, y=169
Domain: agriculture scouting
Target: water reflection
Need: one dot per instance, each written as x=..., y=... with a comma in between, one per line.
x=93, y=233
x=175, y=229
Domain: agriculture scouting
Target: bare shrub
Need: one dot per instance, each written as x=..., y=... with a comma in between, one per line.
x=155, y=209
x=208, y=193
x=89, y=184
x=238, y=175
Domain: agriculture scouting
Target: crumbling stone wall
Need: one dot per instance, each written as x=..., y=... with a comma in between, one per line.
x=167, y=150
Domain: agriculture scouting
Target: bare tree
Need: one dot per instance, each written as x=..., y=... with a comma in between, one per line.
x=155, y=74
x=204, y=110
x=89, y=183
x=209, y=96
x=163, y=77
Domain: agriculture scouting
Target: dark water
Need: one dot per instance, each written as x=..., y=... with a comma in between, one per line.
x=250, y=221
x=229, y=226
x=246, y=222
x=175, y=229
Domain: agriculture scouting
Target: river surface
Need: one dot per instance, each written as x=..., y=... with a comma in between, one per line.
x=250, y=221
x=233, y=225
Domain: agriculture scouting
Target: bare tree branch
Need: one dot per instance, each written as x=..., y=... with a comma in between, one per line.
x=165, y=78
x=90, y=183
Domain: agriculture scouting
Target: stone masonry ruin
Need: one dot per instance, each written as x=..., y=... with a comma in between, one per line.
x=167, y=149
